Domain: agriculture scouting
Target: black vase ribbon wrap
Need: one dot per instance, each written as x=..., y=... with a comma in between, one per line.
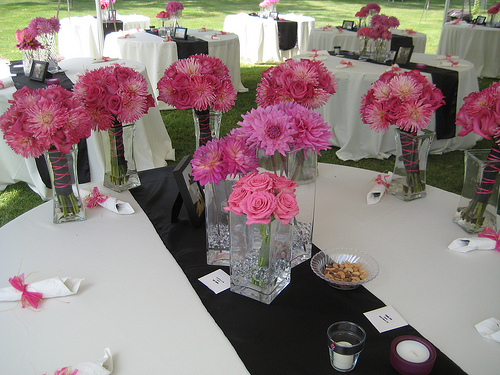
x=204, y=124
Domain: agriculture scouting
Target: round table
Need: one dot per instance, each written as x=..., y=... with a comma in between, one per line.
x=78, y=35
x=157, y=54
x=152, y=142
x=326, y=38
x=259, y=39
x=477, y=44
x=355, y=139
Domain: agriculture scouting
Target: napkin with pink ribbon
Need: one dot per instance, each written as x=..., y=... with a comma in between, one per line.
x=489, y=329
x=95, y=197
x=488, y=239
x=382, y=183
x=6, y=82
x=101, y=367
x=31, y=294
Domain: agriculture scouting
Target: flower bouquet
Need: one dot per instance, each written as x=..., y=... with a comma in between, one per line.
x=50, y=121
x=106, y=8
x=287, y=137
x=174, y=12
x=112, y=96
x=365, y=12
x=480, y=114
x=381, y=34
x=45, y=30
x=493, y=11
x=306, y=82
x=216, y=165
x=261, y=207
x=28, y=45
x=408, y=100
x=200, y=82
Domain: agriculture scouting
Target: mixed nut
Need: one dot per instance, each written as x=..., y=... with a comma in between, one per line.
x=345, y=272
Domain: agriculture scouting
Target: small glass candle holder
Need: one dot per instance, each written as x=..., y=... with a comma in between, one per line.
x=412, y=355
x=345, y=343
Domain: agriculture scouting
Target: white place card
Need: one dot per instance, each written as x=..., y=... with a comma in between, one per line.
x=385, y=319
x=218, y=281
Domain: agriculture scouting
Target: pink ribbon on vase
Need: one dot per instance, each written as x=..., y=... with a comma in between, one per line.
x=94, y=198
x=382, y=180
x=27, y=298
x=492, y=235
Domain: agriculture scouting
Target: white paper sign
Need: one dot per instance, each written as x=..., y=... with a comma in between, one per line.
x=385, y=319
x=218, y=281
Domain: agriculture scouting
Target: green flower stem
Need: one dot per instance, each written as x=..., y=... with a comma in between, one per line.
x=118, y=173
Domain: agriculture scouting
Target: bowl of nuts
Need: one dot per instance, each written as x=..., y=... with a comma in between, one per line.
x=344, y=268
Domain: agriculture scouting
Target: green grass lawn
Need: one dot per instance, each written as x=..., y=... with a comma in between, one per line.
x=444, y=171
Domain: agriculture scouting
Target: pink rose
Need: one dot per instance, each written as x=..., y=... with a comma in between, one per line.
x=114, y=104
x=112, y=84
x=180, y=81
x=299, y=89
x=285, y=185
x=183, y=99
x=236, y=199
x=260, y=182
x=286, y=207
x=259, y=207
x=95, y=96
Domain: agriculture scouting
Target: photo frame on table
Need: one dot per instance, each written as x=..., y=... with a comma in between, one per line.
x=480, y=20
x=180, y=33
x=273, y=15
x=403, y=55
x=39, y=70
x=348, y=25
x=190, y=193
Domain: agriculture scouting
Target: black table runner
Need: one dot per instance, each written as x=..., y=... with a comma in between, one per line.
x=190, y=46
x=289, y=335
x=287, y=34
x=83, y=165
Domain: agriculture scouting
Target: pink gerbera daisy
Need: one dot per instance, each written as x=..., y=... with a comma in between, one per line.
x=405, y=88
x=208, y=164
x=414, y=116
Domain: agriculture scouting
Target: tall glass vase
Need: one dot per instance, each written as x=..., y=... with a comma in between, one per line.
x=206, y=125
x=410, y=169
x=67, y=204
x=300, y=166
x=120, y=171
x=260, y=258
x=217, y=222
x=49, y=52
x=28, y=55
x=478, y=205
x=380, y=50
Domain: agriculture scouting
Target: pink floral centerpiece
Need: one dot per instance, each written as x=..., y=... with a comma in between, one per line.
x=174, y=12
x=45, y=30
x=216, y=165
x=480, y=114
x=29, y=46
x=365, y=12
x=49, y=119
x=112, y=96
x=306, y=82
x=493, y=11
x=408, y=100
x=268, y=3
x=200, y=82
x=261, y=207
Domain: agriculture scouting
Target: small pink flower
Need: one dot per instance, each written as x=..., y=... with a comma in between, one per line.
x=286, y=207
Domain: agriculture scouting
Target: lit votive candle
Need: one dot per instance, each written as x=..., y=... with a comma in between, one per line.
x=411, y=355
x=343, y=361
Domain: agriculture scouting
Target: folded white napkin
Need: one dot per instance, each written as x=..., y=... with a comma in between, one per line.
x=449, y=64
x=443, y=57
x=489, y=328
x=343, y=66
x=110, y=203
x=210, y=37
x=102, y=367
x=105, y=59
x=464, y=245
x=378, y=191
x=6, y=82
x=320, y=52
x=50, y=288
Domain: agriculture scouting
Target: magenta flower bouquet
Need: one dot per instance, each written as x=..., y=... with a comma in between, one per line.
x=46, y=119
x=368, y=10
x=306, y=82
x=407, y=100
x=174, y=8
x=480, y=114
x=112, y=96
x=45, y=30
x=200, y=82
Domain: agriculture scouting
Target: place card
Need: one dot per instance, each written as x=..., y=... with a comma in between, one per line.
x=218, y=281
x=385, y=319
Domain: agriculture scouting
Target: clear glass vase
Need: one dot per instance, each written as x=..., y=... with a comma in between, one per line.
x=478, y=205
x=67, y=204
x=364, y=47
x=120, y=171
x=206, y=125
x=49, y=52
x=380, y=51
x=300, y=166
x=217, y=222
x=410, y=169
x=260, y=265
x=28, y=55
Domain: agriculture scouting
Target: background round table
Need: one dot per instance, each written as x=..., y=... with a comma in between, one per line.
x=478, y=44
x=327, y=38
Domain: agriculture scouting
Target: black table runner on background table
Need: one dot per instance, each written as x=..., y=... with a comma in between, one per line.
x=287, y=34
x=289, y=335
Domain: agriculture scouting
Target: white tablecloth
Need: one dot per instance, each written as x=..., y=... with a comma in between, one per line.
x=355, y=139
x=477, y=44
x=259, y=41
x=327, y=39
x=78, y=35
x=137, y=301
x=157, y=55
x=152, y=142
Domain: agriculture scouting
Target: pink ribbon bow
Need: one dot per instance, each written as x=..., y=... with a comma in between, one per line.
x=106, y=58
x=168, y=38
x=346, y=63
x=453, y=63
x=456, y=21
x=327, y=27
x=410, y=32
x=27, y=298
x=222, y=32
x=66, y=371
x=340, y=30
x=203, y=29
x=1, y=84
x=213, y=36
x=491, y=234
x=94, y=198
x=382, y=180
x=315, y=52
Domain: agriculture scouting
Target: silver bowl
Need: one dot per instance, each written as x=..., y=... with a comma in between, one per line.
x=339, y=255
